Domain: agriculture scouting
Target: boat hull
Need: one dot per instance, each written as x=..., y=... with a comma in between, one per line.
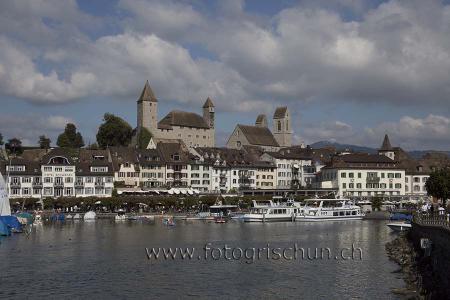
x=260, y=219
x=397, y=227
x=322, y=219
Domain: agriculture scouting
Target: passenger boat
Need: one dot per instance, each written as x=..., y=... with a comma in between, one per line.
x=270, y=211
x=220, y=220
x=329, y=210
x=399, y=226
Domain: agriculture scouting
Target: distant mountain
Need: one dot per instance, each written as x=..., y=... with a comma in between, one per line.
x=343, y=147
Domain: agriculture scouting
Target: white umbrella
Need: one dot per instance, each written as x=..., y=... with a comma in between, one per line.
x=98, y=202
x=170, y=192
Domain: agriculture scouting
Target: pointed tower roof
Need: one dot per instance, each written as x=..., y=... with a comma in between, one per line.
x=208, y=103
x=147, y=94
x=386, y=144
x=280, y=112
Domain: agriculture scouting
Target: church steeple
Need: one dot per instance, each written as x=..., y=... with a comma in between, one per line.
x=386, y=146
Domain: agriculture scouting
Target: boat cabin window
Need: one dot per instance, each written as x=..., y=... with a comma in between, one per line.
x=347, y=213
x=354, y=212
x=335, y=213
x=341, y=213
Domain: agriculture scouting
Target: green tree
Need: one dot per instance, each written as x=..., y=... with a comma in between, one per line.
x=438, y=184
x=114, y=131
x=14, y=146
x=377, y=202
x=44, y=142
x=143, y=138
x=70, y=138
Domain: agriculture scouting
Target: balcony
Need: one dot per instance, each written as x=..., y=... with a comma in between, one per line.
x=373, y=180
x=99, y=184
x=79, y=184
x=37, y=185
x=15, y=185
x=59, y=184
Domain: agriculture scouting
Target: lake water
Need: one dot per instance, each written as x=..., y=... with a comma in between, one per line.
x=107, y=259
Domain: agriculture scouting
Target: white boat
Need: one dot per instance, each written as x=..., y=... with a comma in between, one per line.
x=329, y=210
x=90, y=215
x=269, y=211
x=76, y=217
x=399, y=226
x=120, y=215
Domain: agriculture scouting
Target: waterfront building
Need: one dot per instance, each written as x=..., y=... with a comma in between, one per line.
x=194, y=130
x=417, y=171
x=363, y=175
x=60, y=173
x=292, y=169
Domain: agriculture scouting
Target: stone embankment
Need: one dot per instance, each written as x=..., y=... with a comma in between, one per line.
x=402, y=252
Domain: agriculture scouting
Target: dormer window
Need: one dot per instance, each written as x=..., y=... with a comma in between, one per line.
x=15, y=168
x=99, y=169
x=176, y=157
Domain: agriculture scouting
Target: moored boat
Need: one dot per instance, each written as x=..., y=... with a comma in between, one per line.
x=329, y=210
x=269, y=211
x=399, y=226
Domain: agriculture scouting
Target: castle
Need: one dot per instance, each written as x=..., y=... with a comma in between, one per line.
x=194, y=130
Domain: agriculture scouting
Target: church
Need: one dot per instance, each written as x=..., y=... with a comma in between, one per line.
x=260, y=134
x=194, y=130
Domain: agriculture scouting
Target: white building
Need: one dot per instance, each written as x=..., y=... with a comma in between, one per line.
x=363, y=175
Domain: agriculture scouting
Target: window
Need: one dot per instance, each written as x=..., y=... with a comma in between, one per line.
x=279, y=125
x=359, y=175
x=398, y=185
x=344, y=185
x=47, y=169
x=358, y=185
x=350, y=175
x=398, y=175
x=343, y=175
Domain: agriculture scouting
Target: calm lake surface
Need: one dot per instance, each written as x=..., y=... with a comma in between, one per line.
x=107, y=259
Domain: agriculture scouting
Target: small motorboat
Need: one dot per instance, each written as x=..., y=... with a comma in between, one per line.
x=399, y=226
x=90, y=216
x=120, y=215
x=168, y=222
x=220, y=220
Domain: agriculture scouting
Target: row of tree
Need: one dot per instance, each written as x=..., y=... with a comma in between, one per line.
x=114, y=131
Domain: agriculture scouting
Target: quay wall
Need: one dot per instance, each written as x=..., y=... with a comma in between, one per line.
x=433, y=265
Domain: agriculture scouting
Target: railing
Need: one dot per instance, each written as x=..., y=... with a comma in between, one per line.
x=15, y=185
x=432, y=219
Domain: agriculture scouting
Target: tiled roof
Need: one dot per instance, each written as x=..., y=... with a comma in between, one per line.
x=147, y=94
x=280, y=112
x=208, y=103
x=260, y=136
x=182, y=118
x=386, y=146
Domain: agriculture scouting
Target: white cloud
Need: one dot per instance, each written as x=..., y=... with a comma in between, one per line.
x=28, y=127
x=430, y=132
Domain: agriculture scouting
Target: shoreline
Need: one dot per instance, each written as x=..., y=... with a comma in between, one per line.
x=401, y=251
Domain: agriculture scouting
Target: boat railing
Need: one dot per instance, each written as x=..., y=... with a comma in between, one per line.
x=432, y=219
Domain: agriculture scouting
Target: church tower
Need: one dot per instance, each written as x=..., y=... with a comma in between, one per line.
x=208, y=112
x=147, y=109
x=282, y=127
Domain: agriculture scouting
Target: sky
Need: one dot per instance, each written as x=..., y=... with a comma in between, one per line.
x=350, y=71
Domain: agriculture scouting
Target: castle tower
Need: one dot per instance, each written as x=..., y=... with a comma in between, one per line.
x=282, y=127
x=147, y=109
x=261, y=121
x=208, y=112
